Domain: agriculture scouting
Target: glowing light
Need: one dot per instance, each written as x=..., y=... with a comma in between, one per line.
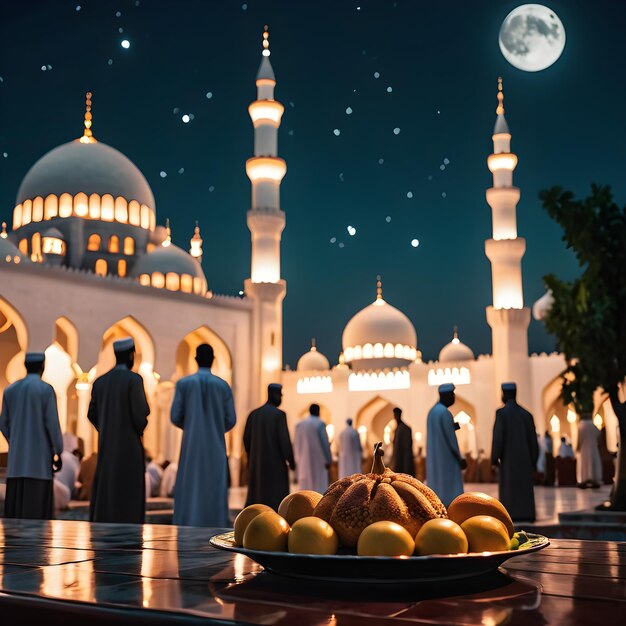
x=409, y=194
x=314, y=384
x=456, y=375
x=396, y=131
x=414, y=242
x=418, y=437
x=330, y=432
x=266, y=111
x=373, y=381
x=349, y=111
x=463, y=418
x=125, y=44
x=266, y=168
x=163, y=174
x=351, y=231
x=571, y=416
x=501, y=161
x=336, y=132
x=598, y=421
x=555, y=424
x=53, y=245
x=362, y=430
x=186, y=119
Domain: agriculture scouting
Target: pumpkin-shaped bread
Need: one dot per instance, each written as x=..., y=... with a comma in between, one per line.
x=354, y=502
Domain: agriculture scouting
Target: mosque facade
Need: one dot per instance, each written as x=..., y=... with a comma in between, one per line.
x=85, y=264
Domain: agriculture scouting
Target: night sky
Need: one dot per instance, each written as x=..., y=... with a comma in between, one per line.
x=437, y=65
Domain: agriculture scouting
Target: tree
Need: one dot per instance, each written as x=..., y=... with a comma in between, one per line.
x=588, y=316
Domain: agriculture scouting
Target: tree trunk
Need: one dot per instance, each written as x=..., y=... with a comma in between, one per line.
x=618, y=501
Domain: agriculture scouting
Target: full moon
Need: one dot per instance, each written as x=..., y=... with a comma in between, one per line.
x=532, y=37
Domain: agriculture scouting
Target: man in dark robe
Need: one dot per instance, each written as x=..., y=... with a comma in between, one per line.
x=30, y=423
x=515, y=450
x=119, y=411
x=402, y=459
x=267, y=443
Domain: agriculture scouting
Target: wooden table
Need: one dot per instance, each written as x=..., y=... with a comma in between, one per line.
x=81, y=573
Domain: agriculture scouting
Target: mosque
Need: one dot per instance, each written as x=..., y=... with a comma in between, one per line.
x=85, y=264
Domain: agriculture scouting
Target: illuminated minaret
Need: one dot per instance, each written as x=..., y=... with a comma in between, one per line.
x=266, y=222
x=195, y=244
x=507, y=317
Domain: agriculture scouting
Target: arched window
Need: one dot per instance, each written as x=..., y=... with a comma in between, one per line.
x=145, y=216
x=158, y=280
x=101, y=267
x=134, y=212
x=35, y=243
x=81, y=204
x=51, y=207
x=144, y=279
x=172, y=281
x=114, y=244
x=38, y=209
x=94, y=206
x=65, y=205
x=107, y=209
x=129, y=245
x=186, y=283
x=26, y=212
x=121, y=267
x=17, y=216
x=121, y=210
x=23, y=246
x=93, y=243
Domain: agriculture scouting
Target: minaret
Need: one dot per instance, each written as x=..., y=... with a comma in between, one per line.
x=195, y=244
x=266, y=222
x=507, y=317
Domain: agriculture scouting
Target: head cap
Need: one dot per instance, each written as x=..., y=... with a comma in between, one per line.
x=509, y=387
x=274, y=387
x=446, y=388
x=123, y=345
x=34, y=358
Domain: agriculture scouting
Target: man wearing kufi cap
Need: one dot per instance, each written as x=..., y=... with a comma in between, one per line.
x=515, y=450
x=268, y=446
x=119, y=410
x=350, y=451
x=444, y=462
x=203, y=407
x=30, y=423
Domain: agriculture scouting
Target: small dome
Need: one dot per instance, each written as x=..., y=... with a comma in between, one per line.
x=76, y=167
x=456, y=351
x=313, y=361
x=542, y=307
x=54, y=232
x=9, y=251
x=380, y=336
x=156, y=268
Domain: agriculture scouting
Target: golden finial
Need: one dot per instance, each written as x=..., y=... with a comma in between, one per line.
x=196, y=244
x=266, y=41
x=456, y=332
x=87, y=134
x=168, y=239
x=379, y=288
x=3, y=234
x=500, y=107
x=313, y=346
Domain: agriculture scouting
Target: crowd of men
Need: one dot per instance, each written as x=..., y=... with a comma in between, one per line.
x=42, y=468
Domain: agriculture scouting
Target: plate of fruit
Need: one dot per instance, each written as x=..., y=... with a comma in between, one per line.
x=378, y=527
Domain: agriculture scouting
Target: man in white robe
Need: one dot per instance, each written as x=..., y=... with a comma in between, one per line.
x=204, y=408
x=350, y=451
x=30, y=423
x=589, y=461
x=65, y=480
x=312, y=452
x=168, y=482
x=444, y=461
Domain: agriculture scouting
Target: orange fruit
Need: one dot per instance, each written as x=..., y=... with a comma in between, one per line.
x=267, y=531
x=245, y=517
x=312, y=535
x=485, y=534
x=385, y=539
x=298, y=504
x=477, y=503
x=440, y=536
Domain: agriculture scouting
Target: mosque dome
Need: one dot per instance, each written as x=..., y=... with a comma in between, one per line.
x=313, y=361
x=455, y=351
x=170, y=267
x=379, y=336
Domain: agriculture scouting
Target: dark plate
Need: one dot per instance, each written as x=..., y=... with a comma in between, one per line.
x=378, y=569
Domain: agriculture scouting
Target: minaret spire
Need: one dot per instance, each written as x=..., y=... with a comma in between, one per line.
x=379, y=288
x=168, y=238
x=313, y=346
x=266, y=41
x=3, y=234
x=507, y=317
x=195, y=244
x=87, y=133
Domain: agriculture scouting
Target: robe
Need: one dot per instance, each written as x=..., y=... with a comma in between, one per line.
x=350, y=452
x=541, y=459
x=566, y=451
x=30, y=423
x=312, y=454
x=443, y=457
x=86, y=474
x=119, y=411
x=168, y=482
x=267, y=444
x=589, y=461
x=155, y=475
x=515, y=449
x=203, y=407
x=402, y=459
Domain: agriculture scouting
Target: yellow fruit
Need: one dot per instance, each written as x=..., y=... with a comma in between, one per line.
x=485, y=534
x=312, y=535
x=245, y=517
x=267, y=531
x=385, y=539
x=440, y=536
x=475, y=503
x=298, y=504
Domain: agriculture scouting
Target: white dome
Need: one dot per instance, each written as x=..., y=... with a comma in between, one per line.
x=8, y=251
x=164, y=260
x=313, y=361
x=379, y=336
x=76, y=167
x=456, y=351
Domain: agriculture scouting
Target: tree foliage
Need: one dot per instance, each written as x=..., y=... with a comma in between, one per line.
x=588, y=316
